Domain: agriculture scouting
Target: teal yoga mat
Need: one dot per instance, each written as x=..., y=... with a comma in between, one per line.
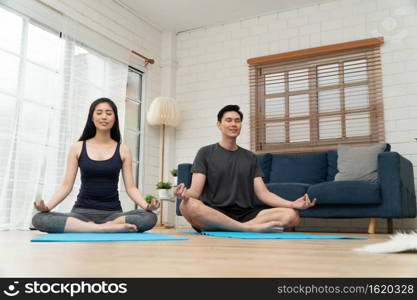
x=280, y=235
x=105, y=237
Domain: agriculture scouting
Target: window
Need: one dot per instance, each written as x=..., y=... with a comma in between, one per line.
x=311, y=100
x=132, y=132
x=28, y=91
x=47, y=83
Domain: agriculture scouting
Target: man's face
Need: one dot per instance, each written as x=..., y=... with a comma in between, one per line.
x=230, y=124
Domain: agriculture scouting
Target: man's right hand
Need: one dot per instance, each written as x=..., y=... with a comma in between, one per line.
x=181, y=192
x=41, y=206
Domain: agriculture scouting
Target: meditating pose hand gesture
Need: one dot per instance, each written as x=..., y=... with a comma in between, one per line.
x=181, y=192
x=304, y=202
x=41, y=206
x=153, y=205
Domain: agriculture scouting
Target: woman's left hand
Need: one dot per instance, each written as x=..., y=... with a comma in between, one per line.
x=153, y=205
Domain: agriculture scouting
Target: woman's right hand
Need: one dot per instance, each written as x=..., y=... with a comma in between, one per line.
x=41, y=206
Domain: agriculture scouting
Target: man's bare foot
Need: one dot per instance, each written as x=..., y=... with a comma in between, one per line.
x=115, y=227
x=272, y=226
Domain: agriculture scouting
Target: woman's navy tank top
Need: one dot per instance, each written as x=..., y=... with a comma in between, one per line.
x=99, y=180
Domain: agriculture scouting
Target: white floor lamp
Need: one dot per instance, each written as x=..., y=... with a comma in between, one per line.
x=163, y=111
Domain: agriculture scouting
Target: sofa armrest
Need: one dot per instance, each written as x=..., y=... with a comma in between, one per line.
x=184, y=176
x=396, y=179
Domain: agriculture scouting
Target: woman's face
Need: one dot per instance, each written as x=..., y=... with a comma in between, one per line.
x=103, y=116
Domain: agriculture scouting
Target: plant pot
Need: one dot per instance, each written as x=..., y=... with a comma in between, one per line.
x=169, y=213
x=164, y=194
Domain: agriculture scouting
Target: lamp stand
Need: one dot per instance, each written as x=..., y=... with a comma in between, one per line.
x=161, y=176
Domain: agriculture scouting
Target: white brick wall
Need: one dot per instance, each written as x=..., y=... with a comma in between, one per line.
x=212, y=70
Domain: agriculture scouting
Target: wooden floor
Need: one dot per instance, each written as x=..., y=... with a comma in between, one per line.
x=200, y=256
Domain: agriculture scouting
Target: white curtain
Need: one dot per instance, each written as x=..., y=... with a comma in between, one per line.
x=44, y=100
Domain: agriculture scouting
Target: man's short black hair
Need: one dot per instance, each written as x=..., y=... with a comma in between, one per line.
x=227, y=108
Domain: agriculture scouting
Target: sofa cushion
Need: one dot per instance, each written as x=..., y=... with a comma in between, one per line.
x=332, y=162
x=301, y=168
x=264, y=162
x=289, y=191
x=331, y=165
x=345, y=192
x=358, y=163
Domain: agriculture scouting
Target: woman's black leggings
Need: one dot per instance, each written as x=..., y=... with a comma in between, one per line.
x=54, y=222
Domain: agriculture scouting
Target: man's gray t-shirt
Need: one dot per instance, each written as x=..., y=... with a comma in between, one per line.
x=229, y=176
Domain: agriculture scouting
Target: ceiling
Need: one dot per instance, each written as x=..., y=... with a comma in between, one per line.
x=183, y=15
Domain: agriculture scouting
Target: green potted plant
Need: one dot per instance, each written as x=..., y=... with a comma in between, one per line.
x=149, y=198
x=164, y=189
x=174, y=172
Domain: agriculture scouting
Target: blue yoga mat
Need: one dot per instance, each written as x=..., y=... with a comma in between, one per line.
x=105, y=237
x=280, y=235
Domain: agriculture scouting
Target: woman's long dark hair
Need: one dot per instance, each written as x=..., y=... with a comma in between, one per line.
x=90, y=129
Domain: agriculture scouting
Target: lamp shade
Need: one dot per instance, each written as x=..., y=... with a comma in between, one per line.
x=163, y=111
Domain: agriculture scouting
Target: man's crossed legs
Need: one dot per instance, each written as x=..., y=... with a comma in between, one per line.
x=206, y=218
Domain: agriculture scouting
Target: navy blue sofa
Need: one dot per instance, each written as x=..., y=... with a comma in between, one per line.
x=292, y=175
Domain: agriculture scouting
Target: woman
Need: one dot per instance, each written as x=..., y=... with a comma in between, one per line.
x=100, y=157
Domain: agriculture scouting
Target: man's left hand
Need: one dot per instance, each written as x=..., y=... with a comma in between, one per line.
x=303, y=202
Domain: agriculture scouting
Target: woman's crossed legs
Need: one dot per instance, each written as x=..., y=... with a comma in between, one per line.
x=93, y=220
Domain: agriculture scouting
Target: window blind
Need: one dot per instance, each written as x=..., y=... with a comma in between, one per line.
x=313, y=99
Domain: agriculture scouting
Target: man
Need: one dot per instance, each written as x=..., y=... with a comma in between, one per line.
x=225, y=177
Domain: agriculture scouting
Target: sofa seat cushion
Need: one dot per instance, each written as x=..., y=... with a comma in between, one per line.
x=301, y=168
x=345, y=192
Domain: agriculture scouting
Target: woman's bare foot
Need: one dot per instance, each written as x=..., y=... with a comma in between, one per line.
x=119, y=220
x=116, y=227
x=272, y=226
